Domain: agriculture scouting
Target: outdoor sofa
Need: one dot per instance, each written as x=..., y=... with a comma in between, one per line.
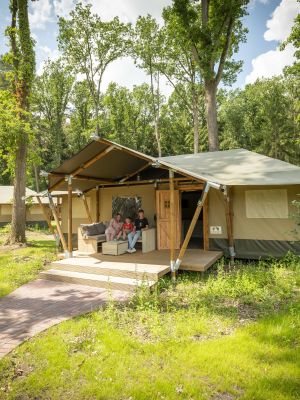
x=91, y=235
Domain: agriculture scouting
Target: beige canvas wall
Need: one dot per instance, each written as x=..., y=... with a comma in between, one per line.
x=33, y=213
x=146, y=192
x=253, y=228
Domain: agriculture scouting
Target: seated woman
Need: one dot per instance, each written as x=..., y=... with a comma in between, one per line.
x=126, y=229
x=114, y=227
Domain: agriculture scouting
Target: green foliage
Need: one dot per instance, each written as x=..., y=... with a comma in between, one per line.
x=81, y=117
x=12, y=126
x=50, y=99
x=89, y=45
x=294, y=39
x=261, y=118
x=230, y=335
x=19, y=266
x=214, y=29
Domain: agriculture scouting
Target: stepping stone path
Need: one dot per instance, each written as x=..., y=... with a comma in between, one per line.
x=40, y=304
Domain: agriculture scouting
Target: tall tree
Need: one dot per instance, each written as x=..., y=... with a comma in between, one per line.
x=90, y=45
x=179, y=67
x=214, y=30
x=146, y=48
x=51, y=95
x=22, y=58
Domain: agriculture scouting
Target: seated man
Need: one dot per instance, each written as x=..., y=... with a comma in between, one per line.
x=140, y=224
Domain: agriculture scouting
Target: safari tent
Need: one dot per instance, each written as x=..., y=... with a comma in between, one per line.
x=247, y=211
x=34, y=213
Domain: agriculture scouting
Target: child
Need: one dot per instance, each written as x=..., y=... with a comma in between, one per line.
x=126, y=229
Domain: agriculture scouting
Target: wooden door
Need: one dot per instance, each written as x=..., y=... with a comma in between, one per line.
x=163, y=219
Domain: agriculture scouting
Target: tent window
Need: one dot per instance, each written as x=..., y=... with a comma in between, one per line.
x=272, y=203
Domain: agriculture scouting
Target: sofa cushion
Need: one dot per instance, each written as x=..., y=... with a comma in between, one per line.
x=88, y=229
x=100, y=228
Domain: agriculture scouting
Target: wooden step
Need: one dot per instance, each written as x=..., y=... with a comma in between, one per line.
x=96, y=280
x=90, y=265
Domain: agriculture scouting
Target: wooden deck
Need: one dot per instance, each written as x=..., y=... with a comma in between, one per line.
x=194, y=259
x=126, y=271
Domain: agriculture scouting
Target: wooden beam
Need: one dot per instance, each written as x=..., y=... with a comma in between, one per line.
x=134, y=173
x=85, y=165
x=58, y=227
x=48, y=220
x=172, y=224
x=97, y=204
x=229, y=222
x=70, y=216
x=87, y=208
x=190, y=188
x=82, y=178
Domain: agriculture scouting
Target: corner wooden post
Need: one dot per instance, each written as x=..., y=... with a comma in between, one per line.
x=97, y=204
x=58, y=227
x=172, y=224
x=205, y=225
x=87, y=208
x=229, y=222
x=70, y=225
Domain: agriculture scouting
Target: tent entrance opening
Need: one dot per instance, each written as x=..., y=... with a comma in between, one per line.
x=189, y=202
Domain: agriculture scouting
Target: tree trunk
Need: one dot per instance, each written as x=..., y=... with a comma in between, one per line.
x=18, y=223
x=195, y=123
x=157, y=136
x=211, y=115
x=36, y=176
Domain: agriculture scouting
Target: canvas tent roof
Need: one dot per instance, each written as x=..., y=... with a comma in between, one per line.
x=229, y=167
x=7, y=193
x=236, y=167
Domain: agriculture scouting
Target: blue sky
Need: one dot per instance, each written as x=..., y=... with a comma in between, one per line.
x=269, y=22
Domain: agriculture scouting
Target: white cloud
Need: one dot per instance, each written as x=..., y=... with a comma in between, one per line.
x=63, y=7
x=128, y=10
x=40, y=13
x=49, y=54
x=279, y=26
x=270, y=63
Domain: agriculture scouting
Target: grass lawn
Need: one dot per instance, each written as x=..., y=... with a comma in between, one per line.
x=21, y=265
x=221, y=336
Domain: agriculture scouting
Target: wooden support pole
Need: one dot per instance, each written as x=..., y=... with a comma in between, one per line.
x=48, y=220
x=70, y=225
x=58, y=227
x=97, y=204
x=229, y=223
x=205, y=226
x=193, y=223
x=87, y=208
x=172, y=224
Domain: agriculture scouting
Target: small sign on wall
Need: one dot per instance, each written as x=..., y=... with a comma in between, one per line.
x=215, y=230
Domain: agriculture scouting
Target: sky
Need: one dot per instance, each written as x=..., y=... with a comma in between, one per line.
x=269, y=22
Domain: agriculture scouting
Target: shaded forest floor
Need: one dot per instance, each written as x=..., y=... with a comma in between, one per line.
x=223, y=335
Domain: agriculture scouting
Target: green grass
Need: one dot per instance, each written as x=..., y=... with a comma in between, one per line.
x=21, y=265
x=221, y=336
